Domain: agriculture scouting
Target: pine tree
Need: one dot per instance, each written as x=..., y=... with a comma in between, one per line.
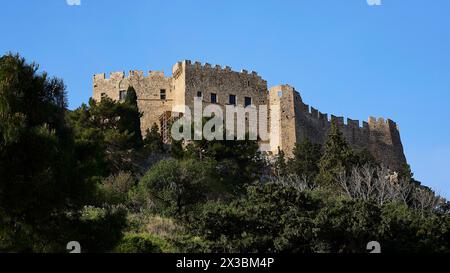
x=45, y=175
x=338, y=157
x=306, y=159
x=406, y=173
x=280, y=164
x=153, y=140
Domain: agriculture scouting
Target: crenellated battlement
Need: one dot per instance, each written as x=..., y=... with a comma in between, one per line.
x=207, y=67
x=216, y=70
x=326, y=119
x=131, y=74
x=378, y=135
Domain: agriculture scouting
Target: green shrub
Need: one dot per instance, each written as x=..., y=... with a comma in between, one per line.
x=115, y=188
x=143, y=243
x=101, y=228
x=186, y=243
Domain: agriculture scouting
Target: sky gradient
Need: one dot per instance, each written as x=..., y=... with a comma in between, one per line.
x=344, y=57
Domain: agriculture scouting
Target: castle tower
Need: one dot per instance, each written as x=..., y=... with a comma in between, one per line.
x=282, y=109
x=154, y=91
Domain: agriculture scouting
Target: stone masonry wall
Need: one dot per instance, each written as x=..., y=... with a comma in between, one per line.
x=380, y=137
x=223, y=82
x=282, y=107
x=148, y=89
x=297, y=120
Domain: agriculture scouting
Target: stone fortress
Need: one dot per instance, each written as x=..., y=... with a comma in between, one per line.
x=158, y=94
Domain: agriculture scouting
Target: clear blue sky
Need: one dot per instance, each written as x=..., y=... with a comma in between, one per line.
x=345, y=57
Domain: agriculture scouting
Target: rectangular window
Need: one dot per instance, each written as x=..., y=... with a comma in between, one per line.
x=122, y=95
x=213, y=98
x=232, y=100
x=162, y=94
x=248, y=101
x=199, y=94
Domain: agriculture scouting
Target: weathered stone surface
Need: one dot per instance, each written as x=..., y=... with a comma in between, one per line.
x=297, y=119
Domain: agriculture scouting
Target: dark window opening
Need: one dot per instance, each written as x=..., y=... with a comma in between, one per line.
x=162, y=94
x=199, y=94
x=232, y=100
x=213, y=98
x=103, y=95
x=248, y=101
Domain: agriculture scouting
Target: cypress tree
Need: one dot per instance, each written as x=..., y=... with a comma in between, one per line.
x=131, y=117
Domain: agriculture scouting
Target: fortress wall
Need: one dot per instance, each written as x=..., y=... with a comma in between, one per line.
x=223, y=81
x=380, y=137
x=310, y=123
x=148, y=88
x=385, y=142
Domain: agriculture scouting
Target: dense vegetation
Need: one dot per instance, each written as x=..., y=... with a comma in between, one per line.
x=89, y=175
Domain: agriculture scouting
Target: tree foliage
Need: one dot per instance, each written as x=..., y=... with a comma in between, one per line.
x=109, y=130
x=305, y=162
x=47, y=177
x=238, y=162
x=177, y=186
x=153, y=140
x=337, y=157
x=277, y=217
